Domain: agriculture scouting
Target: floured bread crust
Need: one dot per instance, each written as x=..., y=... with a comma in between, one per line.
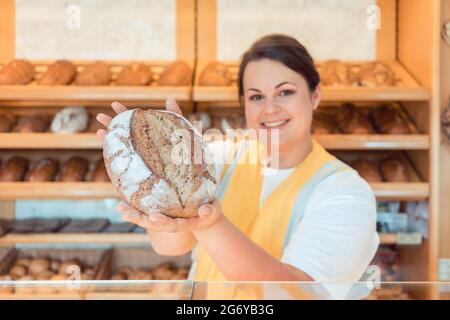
x=137, y=153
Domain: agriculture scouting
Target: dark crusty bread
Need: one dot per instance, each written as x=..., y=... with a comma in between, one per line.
x=388, y=120
x=367, y=169
x=215, y=74
x=74, y=169
x=394, y=170
x=177, y=73
x=62, y=72
x=35, y=123
x=94, y=74
x=100, y=174
x=14, y=169
x=44, y=170
x=135, y=74
x=322, y=123
x=138, y=152
x=7, y=121
x=353, y=121
x=17, y=72
x=85, y=226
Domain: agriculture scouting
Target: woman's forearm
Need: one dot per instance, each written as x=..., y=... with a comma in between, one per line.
x=240, y=259
x=172, y=244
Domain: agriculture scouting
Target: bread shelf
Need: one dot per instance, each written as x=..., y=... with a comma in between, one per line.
x=75, y=93
x=406, y=90
x=111, y=238
x=98, y=190
x=329, y=141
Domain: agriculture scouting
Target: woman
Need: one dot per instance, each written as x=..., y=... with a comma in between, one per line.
x=311, y=218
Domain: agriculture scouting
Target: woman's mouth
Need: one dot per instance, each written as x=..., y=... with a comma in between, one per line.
x=278, y=124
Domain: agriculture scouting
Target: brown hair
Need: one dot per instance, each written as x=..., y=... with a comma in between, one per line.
x=284, y=49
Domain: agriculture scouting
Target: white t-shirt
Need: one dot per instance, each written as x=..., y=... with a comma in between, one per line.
x=336, y=239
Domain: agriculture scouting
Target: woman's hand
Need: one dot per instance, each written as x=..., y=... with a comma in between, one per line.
x=104, y=119
x=208, y=214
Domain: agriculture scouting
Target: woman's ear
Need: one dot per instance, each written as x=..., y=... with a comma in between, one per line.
x=316, y=96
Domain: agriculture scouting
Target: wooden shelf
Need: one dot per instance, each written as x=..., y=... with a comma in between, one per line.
x=331, y=142
x=116, y=238
x=401, y=191
x=78, y=238
x=74, y=93
x=56, y=190
x=406, y=90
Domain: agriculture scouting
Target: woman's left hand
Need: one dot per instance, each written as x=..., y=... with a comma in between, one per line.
x=208, y=214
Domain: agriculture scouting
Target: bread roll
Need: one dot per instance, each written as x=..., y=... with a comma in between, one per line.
x=393, y=170
x=135, y=74
x=322, y=124
x=158, y=162
x=353, y=121
x=17, y=271
x=99, y=174
x=16, y=72
x=70, y=120
x=215, y=74
x=38, y=266
x=375, y=74
x=389, y=120
x=23, y=262
x=74, y=169
x=61, y=72
x=14, y=169
x=35, y=123
x=94, y=74
x=7, y=121
x=177, y=73
x=44, y=170
x=368, y=170
x=336, y=73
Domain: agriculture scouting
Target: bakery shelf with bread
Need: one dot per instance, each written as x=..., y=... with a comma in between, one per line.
x=363, y=81
x=165, y=277
x=52, y=264
x=80, y=81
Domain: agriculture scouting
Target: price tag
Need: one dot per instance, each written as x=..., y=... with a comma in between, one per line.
x=444, y=269
x=414, y=238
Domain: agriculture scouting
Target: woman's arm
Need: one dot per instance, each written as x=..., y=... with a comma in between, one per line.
x=240, y=259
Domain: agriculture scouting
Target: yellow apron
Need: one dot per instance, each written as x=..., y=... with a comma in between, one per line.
x=270, y=225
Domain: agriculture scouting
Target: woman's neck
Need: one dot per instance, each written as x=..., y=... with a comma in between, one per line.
x=291, y=156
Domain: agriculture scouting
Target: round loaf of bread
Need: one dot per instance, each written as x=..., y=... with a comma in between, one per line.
x=157, y=161
x=70, y=120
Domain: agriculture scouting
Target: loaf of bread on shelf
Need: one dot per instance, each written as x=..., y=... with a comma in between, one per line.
x=32, y=123
x=43, y=170
x=70, y=120
x=17, y=72
x=394, y=170
x=14, y=169
x=74, y=169
x=94, y=74
x=215, y=74
x=7, y=121
x=62, y=72
x=375, y=74
x=353, y=121
x=337, y=73
x=389, y=120
x=322, y=123
x=158, y=162
x=85, y=226
x=368, y=170
x=100, y=174
x=177, y=73
x=134, y=74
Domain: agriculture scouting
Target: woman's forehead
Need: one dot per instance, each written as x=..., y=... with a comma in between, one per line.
x=266, y=72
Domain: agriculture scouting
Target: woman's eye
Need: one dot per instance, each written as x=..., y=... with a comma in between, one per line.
x=287, y=92
x=256, y=97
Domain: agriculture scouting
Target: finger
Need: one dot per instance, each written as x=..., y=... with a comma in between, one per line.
x=135, y=218
x=104, y=119
x=101, y=133
x=118, y=107
x=125, y=207
x=172, y=105
x=159, y=218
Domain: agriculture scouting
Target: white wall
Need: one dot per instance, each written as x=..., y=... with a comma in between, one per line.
x=109, y=29
x=328, y=28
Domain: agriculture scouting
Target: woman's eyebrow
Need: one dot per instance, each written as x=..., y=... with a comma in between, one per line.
x=253, y=89
x=282, y=83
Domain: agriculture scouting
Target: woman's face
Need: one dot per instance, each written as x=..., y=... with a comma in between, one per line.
x=277, y=97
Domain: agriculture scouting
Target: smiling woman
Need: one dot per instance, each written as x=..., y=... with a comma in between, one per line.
x=308, y=218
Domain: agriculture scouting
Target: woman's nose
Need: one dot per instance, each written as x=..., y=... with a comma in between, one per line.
x=271, y=107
